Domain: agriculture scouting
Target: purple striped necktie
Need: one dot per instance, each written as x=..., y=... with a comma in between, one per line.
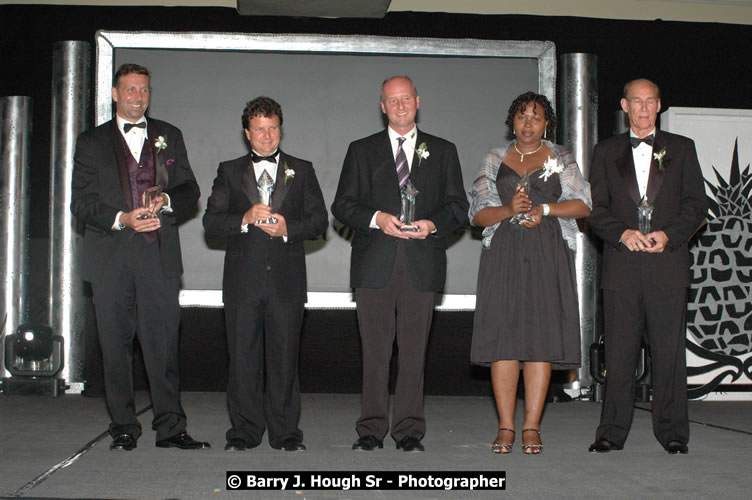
x=403, y=172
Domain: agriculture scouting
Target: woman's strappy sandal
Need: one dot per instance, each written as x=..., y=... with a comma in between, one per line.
x=503, y=448
x=532, y=449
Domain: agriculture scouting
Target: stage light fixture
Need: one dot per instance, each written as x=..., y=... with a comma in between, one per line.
x=33, y=349
x=33, y=356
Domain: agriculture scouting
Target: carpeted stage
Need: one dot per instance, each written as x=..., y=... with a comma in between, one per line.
x=39, y=434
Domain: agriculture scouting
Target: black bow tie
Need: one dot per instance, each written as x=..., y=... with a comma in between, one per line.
x=256, y=158
x=647, y=140
x=128, y=126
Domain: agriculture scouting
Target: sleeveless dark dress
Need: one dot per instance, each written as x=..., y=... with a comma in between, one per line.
x=526, y=303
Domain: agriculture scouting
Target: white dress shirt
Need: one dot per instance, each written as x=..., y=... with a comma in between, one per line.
x=134, y=138
x=642, y=156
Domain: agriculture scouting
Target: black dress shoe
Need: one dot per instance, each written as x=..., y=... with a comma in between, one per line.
x=410, y=444
x=123, y=442
x=183, y=441
x=604, y=446
x=293, y=444
x=367, y=443
x=236, y=444
x=676, y=447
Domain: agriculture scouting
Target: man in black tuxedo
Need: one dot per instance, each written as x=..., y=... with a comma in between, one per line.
x=645, y=276
x=396, y=274
x=264, y=284
x=132, y=252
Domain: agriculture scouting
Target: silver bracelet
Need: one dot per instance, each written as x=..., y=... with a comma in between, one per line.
x=546, y=209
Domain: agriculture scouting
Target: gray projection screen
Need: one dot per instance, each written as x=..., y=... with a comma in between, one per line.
x=328, y=87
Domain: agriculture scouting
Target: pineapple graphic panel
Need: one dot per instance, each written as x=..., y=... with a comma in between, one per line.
x=719, y=310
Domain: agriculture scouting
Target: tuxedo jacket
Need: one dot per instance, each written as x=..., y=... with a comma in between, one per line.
x=368, y=183
x=677, y=192
x=256, y=263
x=101, y=188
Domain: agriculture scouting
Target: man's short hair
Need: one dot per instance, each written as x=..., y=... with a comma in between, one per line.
x=381, y=95
x=261, y=106
x=129, y=69
x=629, y=84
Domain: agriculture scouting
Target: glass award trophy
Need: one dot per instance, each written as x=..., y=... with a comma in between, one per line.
x=265, y=186
x=149, y=200
x=407, y=212
x=644, y=214
x=523, y=185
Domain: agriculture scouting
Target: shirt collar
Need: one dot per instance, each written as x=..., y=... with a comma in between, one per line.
x=410, y=136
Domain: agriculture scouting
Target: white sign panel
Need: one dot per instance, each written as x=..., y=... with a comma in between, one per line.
x=719, y=326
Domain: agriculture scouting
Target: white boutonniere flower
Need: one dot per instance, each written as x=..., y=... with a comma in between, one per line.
x=659, y=158
x=289, y=173
x=551, y=167
x=422, y=152
x=161, y=143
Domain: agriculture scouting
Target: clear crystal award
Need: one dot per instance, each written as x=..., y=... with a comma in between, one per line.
x=265, y=186
x=644, y=214
x=407, y=212
x=149, y=200
x=523, y=185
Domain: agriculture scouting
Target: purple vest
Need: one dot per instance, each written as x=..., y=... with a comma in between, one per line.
x=142, y=175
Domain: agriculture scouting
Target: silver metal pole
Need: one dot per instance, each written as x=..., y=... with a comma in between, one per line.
x=578, y=131
x=71, y=88
x=15, y=160
x=621, y=122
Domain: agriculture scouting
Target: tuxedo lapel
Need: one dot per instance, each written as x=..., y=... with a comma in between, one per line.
x=118, y=150
x=248, y=180
x=161, y=177
x=385, y=156
x=625, y=166
x=655, y=180
x=281, y=186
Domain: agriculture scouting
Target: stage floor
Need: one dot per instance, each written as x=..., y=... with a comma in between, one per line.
x=39, y=434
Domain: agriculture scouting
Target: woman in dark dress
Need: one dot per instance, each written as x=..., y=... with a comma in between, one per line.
x=526, y=307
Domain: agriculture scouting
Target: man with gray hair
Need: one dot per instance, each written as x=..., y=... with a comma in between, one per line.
x=645, y=269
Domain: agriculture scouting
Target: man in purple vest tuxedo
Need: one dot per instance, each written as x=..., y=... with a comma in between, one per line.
x=132, y=254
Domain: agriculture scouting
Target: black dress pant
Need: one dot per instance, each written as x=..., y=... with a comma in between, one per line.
x=662, y=314
x=132, y=297
x=263, y=392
